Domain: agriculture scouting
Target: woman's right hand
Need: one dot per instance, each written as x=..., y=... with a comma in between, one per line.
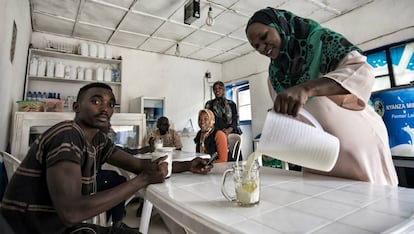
x=291, y=100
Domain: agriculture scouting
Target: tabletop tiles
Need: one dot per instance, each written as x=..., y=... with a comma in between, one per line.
x=180, y=195
x=291, y=221
x=250, y=227
x=324, y=208
x=278, y=179
x=403, y=194
x=339, y=228
x=211, y=210
x=331, y=182
x=303, y=188
x=371, y=220
x=370, y=189
x=394, y=207
x=350, y=198
x=209, y=191
x=262, y=208
x=280, y=197
x=188, y=178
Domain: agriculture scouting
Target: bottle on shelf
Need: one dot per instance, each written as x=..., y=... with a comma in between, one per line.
x=33, y=66
x=29, y=96
x=50, y=70
x=41, y=68
x=60, y=70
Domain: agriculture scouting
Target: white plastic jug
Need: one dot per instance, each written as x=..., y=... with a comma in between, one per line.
x=67, y=72
x=101, y=51
x=293, y=141
x=99, y=74
x=108, y=74
x=108, y=52
x=84, y=51
x=73, y=72
x=50, y=71
x=93, y=50
x=60, y=70
x=41, y=67
x=33, y=67
x=80, y=73
x=88, y=74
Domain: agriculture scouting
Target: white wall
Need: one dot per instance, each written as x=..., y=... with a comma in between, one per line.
x=180, y=80
x=253, y=68
x=12, y=75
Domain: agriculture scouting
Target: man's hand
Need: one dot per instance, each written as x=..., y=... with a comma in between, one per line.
x=156, y=171
x=151, y=144
x=200, y=166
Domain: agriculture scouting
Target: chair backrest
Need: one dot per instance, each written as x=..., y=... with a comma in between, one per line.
x=234, y=142
x=10, y=163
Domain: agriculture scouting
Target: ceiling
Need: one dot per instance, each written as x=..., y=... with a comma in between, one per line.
x=158, y=25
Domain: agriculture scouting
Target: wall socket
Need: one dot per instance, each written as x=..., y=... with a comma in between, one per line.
x=207, y=75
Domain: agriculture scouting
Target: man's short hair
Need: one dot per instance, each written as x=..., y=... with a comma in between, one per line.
x=85, y=88
x=162, y=118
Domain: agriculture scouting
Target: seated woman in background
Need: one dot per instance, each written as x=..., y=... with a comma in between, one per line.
x=210, y=140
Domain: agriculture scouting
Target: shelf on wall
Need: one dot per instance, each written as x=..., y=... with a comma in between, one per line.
x=55, y=54
x=58, y=79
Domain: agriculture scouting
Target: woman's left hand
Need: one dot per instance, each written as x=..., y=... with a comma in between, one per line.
x=291, y=100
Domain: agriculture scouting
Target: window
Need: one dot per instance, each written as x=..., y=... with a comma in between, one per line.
x=393, y=65
x=240, y=94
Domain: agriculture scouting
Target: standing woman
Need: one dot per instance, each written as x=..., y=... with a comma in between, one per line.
x=210, y=140
x=314, y=68
x=225, y=111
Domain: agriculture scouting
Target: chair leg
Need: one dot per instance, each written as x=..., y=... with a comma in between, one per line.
x=145, y=217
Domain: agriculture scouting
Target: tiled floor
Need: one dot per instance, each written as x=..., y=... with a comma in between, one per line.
x=156, y=226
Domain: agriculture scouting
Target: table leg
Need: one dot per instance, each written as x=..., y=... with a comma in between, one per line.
x=145, y=217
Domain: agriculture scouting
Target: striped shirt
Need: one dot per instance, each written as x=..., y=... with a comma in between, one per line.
x=26, y=204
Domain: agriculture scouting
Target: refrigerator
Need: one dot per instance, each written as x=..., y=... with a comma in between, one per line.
x=152, y=108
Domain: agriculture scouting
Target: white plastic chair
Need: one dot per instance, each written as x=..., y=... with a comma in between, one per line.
x=10, y=163
x=234, y=142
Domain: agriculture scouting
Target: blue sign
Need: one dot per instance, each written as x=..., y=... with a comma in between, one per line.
x=396, y=106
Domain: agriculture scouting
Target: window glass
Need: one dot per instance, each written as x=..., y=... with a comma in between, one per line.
x=240, y=94
x=245, y=112
x=378, y=61
x=382, y=82
x=402, y=58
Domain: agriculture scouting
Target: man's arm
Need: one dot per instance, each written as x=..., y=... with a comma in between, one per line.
x=234, y=118
x=64, y=182
x=197, y=165
x=128, y=162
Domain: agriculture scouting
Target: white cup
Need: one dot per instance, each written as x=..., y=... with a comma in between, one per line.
x=158, y=143
x=161, y=153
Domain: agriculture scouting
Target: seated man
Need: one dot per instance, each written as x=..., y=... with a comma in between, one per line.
x=169, y=136
x=54, y=188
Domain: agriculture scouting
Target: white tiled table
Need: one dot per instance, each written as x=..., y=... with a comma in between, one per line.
x=290, y=203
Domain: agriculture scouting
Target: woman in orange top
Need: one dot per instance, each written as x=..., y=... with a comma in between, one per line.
x=208, y=139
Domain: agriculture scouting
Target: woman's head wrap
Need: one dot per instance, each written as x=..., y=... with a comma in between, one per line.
x=308, y=50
